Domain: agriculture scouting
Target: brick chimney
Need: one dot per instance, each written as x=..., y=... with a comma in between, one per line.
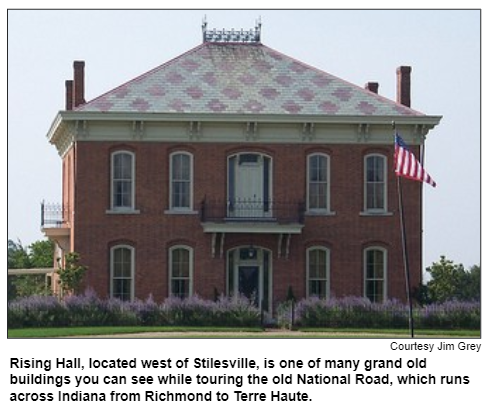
x=372, y=86
x=68, y=95
x=404, y=85
x=78, y=83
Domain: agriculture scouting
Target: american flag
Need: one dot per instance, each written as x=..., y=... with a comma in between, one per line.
x=407, y=165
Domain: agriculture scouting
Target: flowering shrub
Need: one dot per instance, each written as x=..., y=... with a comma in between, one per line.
x=356, y=312
x=89, y=310
x=451, y=314
x=347, y=312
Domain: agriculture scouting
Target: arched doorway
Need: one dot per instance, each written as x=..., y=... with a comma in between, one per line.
x=250, y=274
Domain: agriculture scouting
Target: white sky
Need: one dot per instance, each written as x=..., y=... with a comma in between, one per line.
x=443, y=48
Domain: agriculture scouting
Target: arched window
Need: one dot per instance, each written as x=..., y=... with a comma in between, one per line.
x=181, y=271
x=181, y=181
x=318, y=281
x=122, y=272
x=122, y=181
x=375, y=183
x=375, y=274
x=318, y=167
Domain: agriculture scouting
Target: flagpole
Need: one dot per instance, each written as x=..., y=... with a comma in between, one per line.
x=405, y=256
x=404, y=250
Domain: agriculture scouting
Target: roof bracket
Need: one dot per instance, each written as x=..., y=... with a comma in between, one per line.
x=138, y=129
x=251, y=131
x=363, y=132
x=308, y=132
x=194, y=130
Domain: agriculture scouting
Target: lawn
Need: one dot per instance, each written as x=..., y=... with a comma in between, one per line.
x=214, y=332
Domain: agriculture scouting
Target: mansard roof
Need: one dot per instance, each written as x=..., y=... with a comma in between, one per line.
x=242, y=78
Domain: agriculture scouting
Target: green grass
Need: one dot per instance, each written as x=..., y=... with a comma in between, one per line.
x=109, y=330
x=398, y=332
x=211, y=332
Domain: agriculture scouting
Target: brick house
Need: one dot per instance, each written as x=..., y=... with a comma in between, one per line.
x=234, y=168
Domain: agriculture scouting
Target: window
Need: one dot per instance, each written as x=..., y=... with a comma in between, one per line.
x=122, y=181
x=250, y=186
x=375, y=260
x=122, y=272
x=181, y=174
x=181, y=271
x=375, y=183
x=318, y=272
x=318, y=183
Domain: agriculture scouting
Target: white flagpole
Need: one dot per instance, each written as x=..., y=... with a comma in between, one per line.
x=404, y=249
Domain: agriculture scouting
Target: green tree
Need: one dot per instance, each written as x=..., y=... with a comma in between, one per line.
x=450, y=281
x=38, y=254
x=72, y=274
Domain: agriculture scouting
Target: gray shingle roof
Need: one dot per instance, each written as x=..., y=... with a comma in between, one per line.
x=230, y=78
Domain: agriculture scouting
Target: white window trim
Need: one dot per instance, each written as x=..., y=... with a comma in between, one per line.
x=319, y=211
x=191, y=267
x=111, y=266
x=328, y=270
x=374, y=211
x=365, y=251
x=181, y=210
x=123, y=210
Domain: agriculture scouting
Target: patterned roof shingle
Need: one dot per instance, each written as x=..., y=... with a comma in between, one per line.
x=229, y=78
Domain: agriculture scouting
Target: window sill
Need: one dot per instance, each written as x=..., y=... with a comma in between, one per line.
x=320, y=213
x=376, y=214
x=180, y=212
x=122, y=211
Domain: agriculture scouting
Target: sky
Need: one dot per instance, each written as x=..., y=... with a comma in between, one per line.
x=442, y=46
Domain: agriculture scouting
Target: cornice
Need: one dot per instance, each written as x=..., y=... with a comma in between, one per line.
x=70, y=126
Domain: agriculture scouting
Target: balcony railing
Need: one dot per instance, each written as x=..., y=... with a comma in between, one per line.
x=53, y=215
x=252, y=210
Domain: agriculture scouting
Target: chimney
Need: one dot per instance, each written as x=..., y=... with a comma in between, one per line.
x=68, y=95
x=372, y=86
x=78, y=83
x=404, y=85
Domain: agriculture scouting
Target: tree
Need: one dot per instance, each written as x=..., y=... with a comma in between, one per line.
x=73, y=272
x=450, y=281
x=38, y=254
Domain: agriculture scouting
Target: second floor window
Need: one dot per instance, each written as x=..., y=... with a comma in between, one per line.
x=122, y=181
x=181, y=174
x=318, y=183
x=375, y=183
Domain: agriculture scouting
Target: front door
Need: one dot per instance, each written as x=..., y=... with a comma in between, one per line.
x=249, y=282
x=250, y=275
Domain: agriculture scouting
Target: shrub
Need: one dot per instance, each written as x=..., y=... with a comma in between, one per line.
x=356, y=312
x=89, y=310
x=36, y=311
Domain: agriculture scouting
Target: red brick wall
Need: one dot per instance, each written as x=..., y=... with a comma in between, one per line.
x=152, y=231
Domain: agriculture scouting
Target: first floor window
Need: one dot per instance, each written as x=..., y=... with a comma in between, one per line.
x=375, y=274
x=122, y=272
x=181, y=267
x=318, y=272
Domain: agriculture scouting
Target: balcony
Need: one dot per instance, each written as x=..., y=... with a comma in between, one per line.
x=55, y=225
x=250, y=215
x=53, y=215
